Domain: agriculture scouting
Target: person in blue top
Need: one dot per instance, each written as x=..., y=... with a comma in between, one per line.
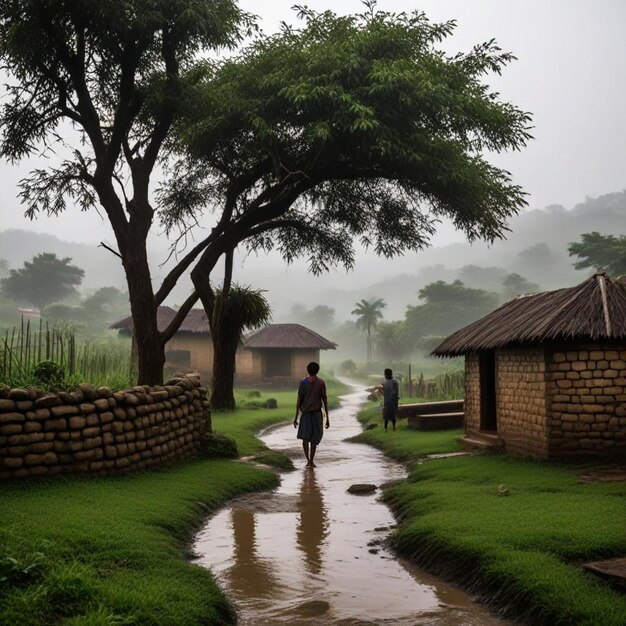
x=391, y=395
x=311, y=399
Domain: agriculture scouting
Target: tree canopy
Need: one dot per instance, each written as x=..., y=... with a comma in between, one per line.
x=447, y=307
x=515, y=285
x=368, y=313
x=600, y=252
x=347, y=128
x=43, y=280
x=115, y=73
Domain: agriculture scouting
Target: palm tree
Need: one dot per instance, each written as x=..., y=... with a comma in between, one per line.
x=244, y=309
x=368, y=314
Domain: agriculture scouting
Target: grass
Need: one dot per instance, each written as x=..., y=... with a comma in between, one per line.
x=405, y=445
x=521, y=551
x=111, y=551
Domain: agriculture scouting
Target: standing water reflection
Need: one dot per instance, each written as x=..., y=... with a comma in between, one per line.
x=309, y=553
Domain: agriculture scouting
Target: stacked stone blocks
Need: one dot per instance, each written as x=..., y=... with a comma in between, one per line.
x=587, y=389
x=555, y=401
x=98, y=431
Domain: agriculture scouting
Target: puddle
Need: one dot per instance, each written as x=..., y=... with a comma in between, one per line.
x=311, y=553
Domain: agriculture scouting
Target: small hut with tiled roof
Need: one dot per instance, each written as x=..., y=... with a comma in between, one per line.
x=274, y=353
x=280, y=351
x=545, y=374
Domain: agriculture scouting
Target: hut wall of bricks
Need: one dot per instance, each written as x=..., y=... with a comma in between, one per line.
x=472, y=394
x=521, y=406
x=523, y=410
x=99, y=431
x=557, y=401
x=587, y=391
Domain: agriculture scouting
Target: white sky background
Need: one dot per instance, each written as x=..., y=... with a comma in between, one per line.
x=570, y=74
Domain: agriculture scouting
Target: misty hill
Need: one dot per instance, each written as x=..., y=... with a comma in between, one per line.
x=102, y=269
x=536, y=248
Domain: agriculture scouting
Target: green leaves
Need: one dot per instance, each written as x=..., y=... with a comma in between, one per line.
x=601, y=252
x=356, y=125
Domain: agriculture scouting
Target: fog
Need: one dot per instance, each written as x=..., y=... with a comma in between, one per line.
x=570, y=74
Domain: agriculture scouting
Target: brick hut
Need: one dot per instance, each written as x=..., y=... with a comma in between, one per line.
x=545, y=374
x=279, y=351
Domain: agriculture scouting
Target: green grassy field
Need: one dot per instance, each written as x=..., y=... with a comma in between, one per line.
x=111, y=551
x=520, y=551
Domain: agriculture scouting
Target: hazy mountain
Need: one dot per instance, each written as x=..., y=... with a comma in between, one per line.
x=536, y=248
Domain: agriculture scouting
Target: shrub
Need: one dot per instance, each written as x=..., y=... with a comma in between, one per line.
x=270, y=403
x=48, y=373
x=254, y=393
x=218, y=445
x=348, y=367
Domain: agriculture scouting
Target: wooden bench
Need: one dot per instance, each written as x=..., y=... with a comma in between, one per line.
x=442, y=415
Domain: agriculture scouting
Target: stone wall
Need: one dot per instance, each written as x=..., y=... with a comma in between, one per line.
x=587, y=389
x=521, y=392
x=98, y=431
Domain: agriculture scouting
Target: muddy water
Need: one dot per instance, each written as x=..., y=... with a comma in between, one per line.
x=310, y=553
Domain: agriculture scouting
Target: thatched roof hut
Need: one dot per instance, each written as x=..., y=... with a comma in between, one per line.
x=277, y=351
x=290, y=336
x=545, y=374
x=195, y=322
x=593, y=310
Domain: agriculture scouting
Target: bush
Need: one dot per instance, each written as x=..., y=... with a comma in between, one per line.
x=252, y=405
x=270, y=403
x=48, y=373
x=218, y=445
x=348, y=367
x=253, y=393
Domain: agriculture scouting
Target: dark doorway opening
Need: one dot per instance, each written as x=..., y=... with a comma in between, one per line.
x=277, y=363
x=488, y=406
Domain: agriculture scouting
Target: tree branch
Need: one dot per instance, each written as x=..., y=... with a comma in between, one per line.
x=104, y=245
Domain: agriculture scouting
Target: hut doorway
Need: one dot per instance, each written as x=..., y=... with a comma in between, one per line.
x=277, y=363
x=488, y=405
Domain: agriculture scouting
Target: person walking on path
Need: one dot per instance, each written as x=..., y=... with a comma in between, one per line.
x=311, y=399
x=391, y=396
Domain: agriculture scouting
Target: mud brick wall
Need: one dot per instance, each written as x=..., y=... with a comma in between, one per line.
x=98, y=431
x=587, y=388
x=521, y=391
x=472, y=393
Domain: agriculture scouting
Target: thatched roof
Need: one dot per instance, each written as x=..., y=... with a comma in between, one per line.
x=593, y=310
x=287, y=336
x=195, y=322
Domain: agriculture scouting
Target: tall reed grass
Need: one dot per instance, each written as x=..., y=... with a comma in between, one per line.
x=100, y=362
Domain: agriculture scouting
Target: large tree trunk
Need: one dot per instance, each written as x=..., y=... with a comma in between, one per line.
x=149, y=345
x=224, y=355
x=224, y=347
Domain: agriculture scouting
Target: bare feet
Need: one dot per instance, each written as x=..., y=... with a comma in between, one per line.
x=311, y=464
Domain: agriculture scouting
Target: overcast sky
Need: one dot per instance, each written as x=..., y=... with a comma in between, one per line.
x=570, y=73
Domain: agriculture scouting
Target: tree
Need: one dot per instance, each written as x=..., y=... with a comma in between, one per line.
x=514, y=284
x=350, y=127
x=447, y=307
x=4, y=268
x=368, y=313
x=107, y=303
x=245, y=309
x=114, y=73
x=601, y=252
x=320, y=318
x=391, y=339
x=43, y=280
